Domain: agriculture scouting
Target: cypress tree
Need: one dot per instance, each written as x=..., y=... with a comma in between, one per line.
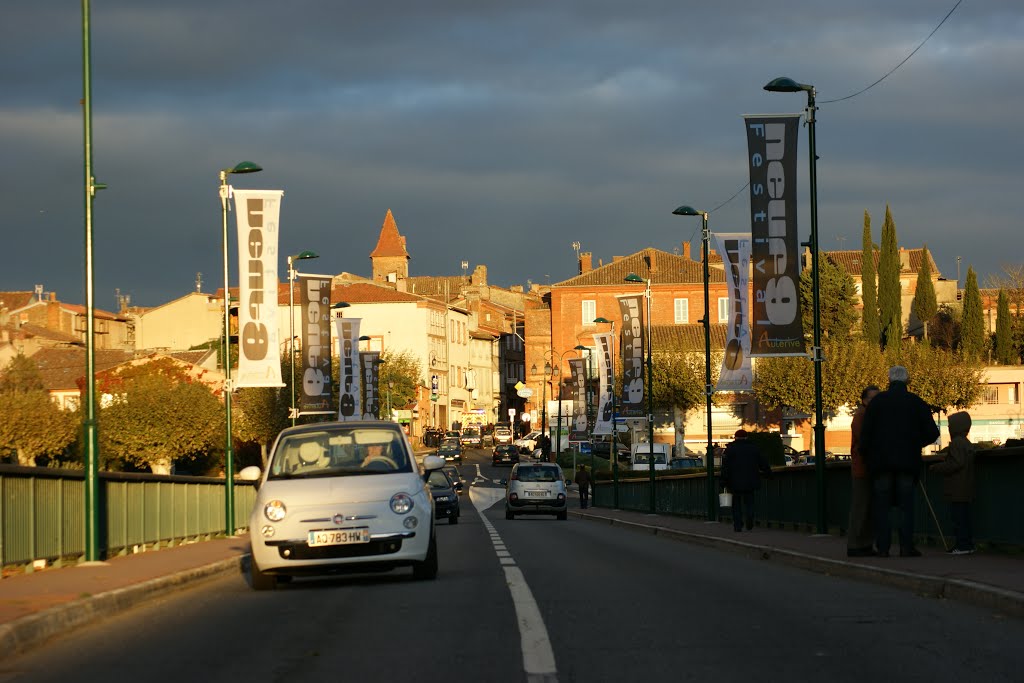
x=1005, y=353
x=925, y=306
x=869, y=286
x=972, y=328
x=890, y=307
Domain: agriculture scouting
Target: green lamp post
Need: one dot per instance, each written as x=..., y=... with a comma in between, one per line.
x=709, y=389
x=784, y=84
x=229, y=458
x=292, y=274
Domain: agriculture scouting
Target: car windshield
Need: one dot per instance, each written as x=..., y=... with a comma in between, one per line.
x=542, y=473
x=438, y=480
x=642, y=458
x=338, y=452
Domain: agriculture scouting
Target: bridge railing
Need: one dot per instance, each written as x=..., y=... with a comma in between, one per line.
x=789, y=498
x=42, y=512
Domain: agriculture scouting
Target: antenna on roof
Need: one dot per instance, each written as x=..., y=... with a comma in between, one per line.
x=576, y=248
x=39, y=288
x=465, y=267
x=199, y=282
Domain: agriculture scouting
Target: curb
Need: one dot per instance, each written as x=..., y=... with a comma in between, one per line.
x=23, y=634
x=961, y=590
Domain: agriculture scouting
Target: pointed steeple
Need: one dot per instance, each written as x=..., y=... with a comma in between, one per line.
x=390, y=259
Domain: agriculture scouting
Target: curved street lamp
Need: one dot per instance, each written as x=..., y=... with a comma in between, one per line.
x=709, y=390
x=292, y=274
x=784, y=84
x=229, y=456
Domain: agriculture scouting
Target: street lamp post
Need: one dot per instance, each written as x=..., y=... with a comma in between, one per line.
x=586, y=399
x=89, y=423
x=709, y=390
x=633, y=277
x=612, y=454
x=291, y=320
x=789, y=85
x=229, y=457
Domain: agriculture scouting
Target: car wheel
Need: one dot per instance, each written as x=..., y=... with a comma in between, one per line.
x=563, y=515
x=509, y=514
x=259, y=580
x=427, y=569
x=454, y=519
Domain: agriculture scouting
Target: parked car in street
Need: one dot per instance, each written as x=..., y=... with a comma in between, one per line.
x=341, y=496
x=471, y=437
x=446, y=497
x=528, y=443
x=453, y=473
x=685, y=463
x=535, y=489
x=505, y=455
x=601, y=447
x=502, y=435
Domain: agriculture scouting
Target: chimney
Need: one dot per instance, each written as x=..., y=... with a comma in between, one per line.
x=652, y=263
x=401, y=285
x=686, y=251
x=479, y=276
x=586, y=262
x=904, y=259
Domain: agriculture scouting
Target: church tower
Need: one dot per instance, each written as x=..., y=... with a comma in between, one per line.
x=389, y=259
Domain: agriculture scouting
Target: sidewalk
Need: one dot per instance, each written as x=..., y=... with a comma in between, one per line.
x=34, y=607
x=990, y=581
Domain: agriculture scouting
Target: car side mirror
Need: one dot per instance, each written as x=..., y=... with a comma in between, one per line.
x=433, y=462
x=251, y=473
x=504, y=482
x=459, y=486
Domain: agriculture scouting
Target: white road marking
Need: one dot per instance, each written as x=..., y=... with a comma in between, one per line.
x=538, y=655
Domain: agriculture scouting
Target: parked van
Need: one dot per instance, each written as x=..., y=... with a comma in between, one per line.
x=640, y=456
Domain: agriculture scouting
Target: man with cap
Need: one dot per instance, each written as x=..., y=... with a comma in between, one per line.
x=742, y=464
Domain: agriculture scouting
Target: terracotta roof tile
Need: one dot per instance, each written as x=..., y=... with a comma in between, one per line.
x=687, y=337
x=390, y=243
x=14, y=300
x=61, y=369
x=434, y=286
x=667, y=269
x=851, y=260
x=367, y=293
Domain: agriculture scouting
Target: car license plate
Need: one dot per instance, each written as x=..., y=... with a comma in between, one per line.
x=338, y=537
x=537, y=494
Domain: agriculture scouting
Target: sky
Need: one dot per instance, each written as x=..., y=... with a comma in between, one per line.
x=498, y=133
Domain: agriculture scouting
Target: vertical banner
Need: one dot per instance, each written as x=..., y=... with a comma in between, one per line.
x=256, y=215
x=632, y=313
x=315, y=314
x=771, y=146
x=605, y=373
x=370, y=363
x=577, y=372
x=736, y=373
x=350, y=395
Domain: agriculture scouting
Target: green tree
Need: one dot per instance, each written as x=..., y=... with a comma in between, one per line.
x=849, y=366
x=399, y=376
x=1006, y=353
x=972, y=331
x=31, y=424
x=156, y=417
x=890, y=306
x=261, y=414
x=869, y=286
x=944, y=379
x=925, y=306
x=837, y=292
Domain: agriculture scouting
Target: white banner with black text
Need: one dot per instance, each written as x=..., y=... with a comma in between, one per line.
x=370, y=362
x=736, y=374
x=606, y=374
x=315, y=314
x=259, y=361
x=631, y=308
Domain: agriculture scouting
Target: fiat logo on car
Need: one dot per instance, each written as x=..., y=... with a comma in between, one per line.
x=338, y=519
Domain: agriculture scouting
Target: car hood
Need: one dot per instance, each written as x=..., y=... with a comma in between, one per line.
x=367, y=488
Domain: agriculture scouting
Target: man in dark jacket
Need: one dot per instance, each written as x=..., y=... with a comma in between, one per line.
x=742, y=463
x=897, y=425
x=583, y=481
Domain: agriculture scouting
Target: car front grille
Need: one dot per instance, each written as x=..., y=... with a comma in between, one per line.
x=297, y=550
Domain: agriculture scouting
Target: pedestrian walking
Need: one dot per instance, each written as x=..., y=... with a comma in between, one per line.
x=742, y=464
x=957, y=469
x=860, y=536
x=897, y=425
x=583, y=481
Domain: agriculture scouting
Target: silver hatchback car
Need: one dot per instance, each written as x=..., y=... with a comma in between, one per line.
x=535, y=488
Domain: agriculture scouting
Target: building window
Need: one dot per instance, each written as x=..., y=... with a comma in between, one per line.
x=589, y=311
x=682, y=307
x=1011, y=394
x=990, y=394
x=723, y=309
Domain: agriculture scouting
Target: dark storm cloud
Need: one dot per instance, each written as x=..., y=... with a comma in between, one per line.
x=496, y=132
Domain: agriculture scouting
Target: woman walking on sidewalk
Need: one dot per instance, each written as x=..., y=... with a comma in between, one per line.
x=860, y=535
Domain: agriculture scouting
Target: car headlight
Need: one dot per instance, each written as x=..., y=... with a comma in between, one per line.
x=275, y=511
x=401, y=503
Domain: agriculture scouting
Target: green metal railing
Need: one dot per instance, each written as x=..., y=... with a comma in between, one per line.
x=42, y=512
x=789, y=498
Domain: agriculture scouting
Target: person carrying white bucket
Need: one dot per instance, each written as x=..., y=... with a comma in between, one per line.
x=742, y=465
